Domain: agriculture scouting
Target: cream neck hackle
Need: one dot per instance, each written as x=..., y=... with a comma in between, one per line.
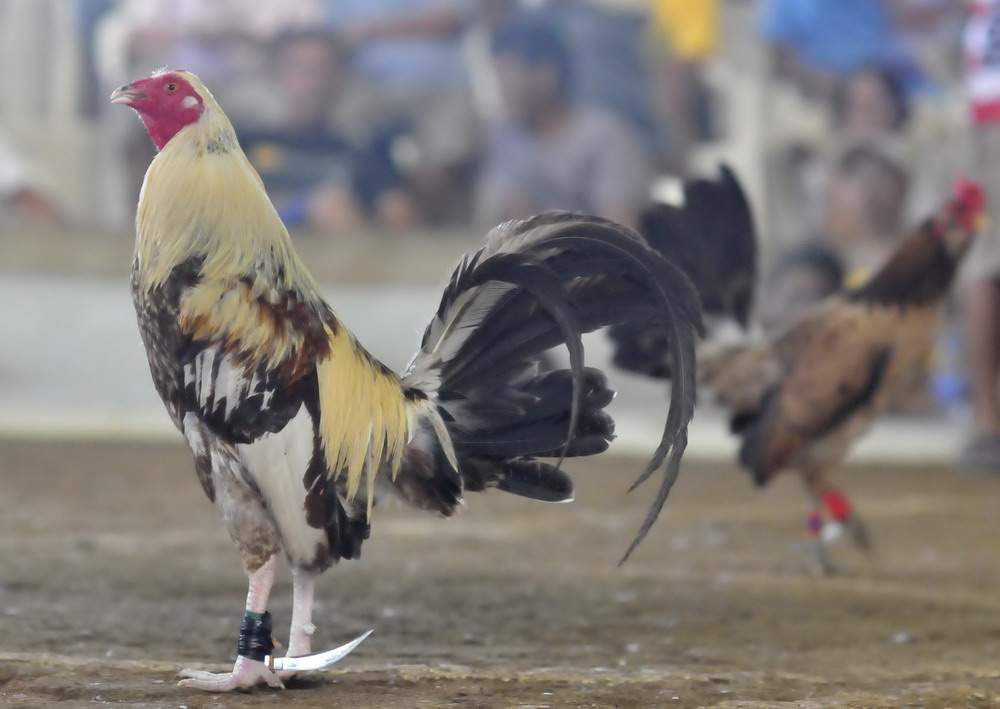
x=201, y=198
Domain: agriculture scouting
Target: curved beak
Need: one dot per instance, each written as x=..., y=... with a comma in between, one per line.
x=127, y=94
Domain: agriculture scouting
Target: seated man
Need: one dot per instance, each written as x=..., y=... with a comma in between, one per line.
x=803, y=277
x=315, y=177
x=407, y=55
x=549, y=152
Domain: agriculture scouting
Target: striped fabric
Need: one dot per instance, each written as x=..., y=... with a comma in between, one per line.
x=982, y=61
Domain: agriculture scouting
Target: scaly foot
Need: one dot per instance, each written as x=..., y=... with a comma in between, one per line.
x=831, y=534
x=859, y=533
x=246, y=674
x=299, y=645
x=826, y=533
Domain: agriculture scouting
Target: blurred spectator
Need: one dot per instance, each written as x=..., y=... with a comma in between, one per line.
x=408, y=58
x=90, y=13
x=865, y=196
x=819, y=41
x=19, y=198
x=982, y=295
x=685, y=34
x=490, y=16
x=607, y=43
x=315, y=177
x=868, y=103
x=802, y=278
x=847, y=183
x=219, y=40
x=929, y=32
x=548, y=151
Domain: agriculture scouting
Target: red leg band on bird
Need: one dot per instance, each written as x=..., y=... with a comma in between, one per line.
x=838, y=505
x=255, y=640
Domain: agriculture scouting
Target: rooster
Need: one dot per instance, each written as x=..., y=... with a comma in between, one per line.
x=710, y=236
x=297, y=431
x=801, y=398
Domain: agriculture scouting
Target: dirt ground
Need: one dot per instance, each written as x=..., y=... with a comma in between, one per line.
x=115, y=574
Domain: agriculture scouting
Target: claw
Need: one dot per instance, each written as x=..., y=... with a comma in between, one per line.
x=859, y=534
x=852, y=529
x=831, y=531
x=246, y=675
x=317, y=661
x=825, y=566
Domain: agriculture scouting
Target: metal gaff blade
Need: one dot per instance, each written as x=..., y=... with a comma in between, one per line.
x=317, y=661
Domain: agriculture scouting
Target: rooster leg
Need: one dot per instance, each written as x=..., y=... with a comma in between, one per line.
x=300, y=636
x=859, y=533
x=821, y=531
x=247, y=672
x=832, y=516
x=842, y=512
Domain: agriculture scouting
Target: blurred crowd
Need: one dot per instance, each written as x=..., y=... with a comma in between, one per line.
x=395, y=114
x=390, y=115
x=400, y=113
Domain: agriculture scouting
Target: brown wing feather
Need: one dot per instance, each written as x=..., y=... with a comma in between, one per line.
x=833, y=367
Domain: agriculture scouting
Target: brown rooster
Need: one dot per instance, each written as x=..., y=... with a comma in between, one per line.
x=297, y=430
x=802, y=397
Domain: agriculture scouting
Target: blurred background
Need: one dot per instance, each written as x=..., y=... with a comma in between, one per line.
x=392, y=133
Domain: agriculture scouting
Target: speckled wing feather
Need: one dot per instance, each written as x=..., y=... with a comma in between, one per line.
x=258, y=354
x=247, y=360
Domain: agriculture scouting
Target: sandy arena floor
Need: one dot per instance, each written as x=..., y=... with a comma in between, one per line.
x=115, y=574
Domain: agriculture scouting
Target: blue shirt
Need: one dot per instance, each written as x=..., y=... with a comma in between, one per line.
x=839, y=36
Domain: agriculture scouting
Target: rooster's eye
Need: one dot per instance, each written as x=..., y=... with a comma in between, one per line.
x=171, y=87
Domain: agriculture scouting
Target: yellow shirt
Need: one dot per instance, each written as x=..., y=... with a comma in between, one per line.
x=689, y=27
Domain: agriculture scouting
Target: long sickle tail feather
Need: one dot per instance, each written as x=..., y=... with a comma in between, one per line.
x=534, y=285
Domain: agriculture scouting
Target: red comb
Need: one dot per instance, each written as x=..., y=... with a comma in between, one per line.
x=969, y=195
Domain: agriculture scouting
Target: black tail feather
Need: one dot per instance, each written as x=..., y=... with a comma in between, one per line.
x=711, y=238
x=534, y=285
x=537, y=480
x=526, y=477
x=536, y=278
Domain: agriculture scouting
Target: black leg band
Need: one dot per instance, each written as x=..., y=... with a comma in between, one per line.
x=255, y=636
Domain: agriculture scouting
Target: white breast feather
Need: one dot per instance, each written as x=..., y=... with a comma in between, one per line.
x=278, y=463
x=191, y=427
x=205, y=362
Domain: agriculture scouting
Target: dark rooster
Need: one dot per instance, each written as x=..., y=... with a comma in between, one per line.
x=802, y=397
x=297, y=430
x=710, y=236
